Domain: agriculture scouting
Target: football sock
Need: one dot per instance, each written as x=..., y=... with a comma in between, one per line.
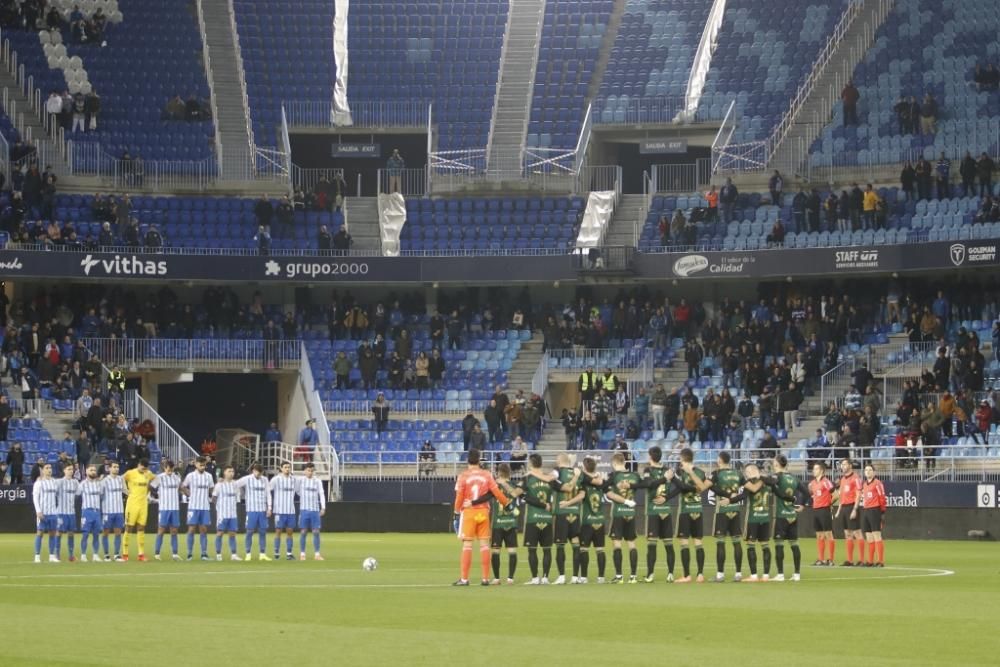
x=767, y=558
x=247, y=542
x=173, y=544
x=190, y=543
x=831, y=546
x=880, y=549
x=118, y=544
x=576, y=559
x=71, y=543
x=302, y=542
x=83, y=543
x=871, y=552
x=38, y=545
x=58, y=545
x=157, y=546
x=288, y=544
x=602, y=562
x=218, y=545
x=484, y=560
x=495, y=561
x=720, y=556
x=277, y=544
x=561, y=560
x=466, y=560
x=738, y=555
x=686, y=561
x=850, y=550
x=203, y=542
x=533, y=562
x=53, y=548
x=671, y=557
x=617, y=558
x=752, y=558
x=633, y=560
x=316, y=541
x=820, y=547
x=546, y=561
x=796, y=557
x=511, y=565
x=699, y=555
x=650, y=558
x=126, y=542
x=262, y=540
x=104, y=543
x=232, y=545
x=584, y=562
x=779, y=557
x=140, y=542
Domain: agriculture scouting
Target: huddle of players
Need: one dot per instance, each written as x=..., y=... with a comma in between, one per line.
x=567, y=505
x=103, y=513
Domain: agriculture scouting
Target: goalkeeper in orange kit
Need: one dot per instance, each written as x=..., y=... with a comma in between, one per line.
x=473, y=520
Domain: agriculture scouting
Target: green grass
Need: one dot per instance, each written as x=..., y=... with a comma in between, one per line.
x=332, y=612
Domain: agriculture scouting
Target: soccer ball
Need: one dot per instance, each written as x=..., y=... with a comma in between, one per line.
x=369, y=564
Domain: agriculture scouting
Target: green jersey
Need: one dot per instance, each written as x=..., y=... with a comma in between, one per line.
x=620, y=483
x=565, y=476
x=593, y=505
x=786, y=488
x=540, y=490
x=657, y=486
x=691, y=500
x=726, y=483
x=503, y=519
x=760, y=505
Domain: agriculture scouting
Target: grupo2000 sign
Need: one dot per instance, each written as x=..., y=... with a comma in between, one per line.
x=275, y=268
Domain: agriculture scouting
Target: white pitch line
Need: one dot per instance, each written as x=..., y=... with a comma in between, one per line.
x=190, y=573
x=924, y=572
x=234, y=586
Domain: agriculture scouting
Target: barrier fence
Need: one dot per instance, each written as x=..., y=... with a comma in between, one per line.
x=202, y=354
x=364, y=113
x=171, y=443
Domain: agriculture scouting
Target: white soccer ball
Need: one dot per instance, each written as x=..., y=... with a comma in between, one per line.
x=369, y=564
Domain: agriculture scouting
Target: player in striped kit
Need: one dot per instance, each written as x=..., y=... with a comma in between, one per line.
x=197, y=486
x=283, y=488
x=113, y=508
x=225, y=494
x=312, y=506
x=45, y=494
x=68, y=487
x=91, y=490
x=257, y=496
x=167, y=487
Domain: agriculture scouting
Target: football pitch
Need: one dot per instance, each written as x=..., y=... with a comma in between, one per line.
x=934, y=603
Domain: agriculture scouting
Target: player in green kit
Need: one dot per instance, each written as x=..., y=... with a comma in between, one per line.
x=659, y=482
x=504, y=526
x=621, y=492
x=689, y=524
x=726, y=482
x=758, y=518
x=592, y=519
x=538, y=488
x=790, y=496
x=567, y=517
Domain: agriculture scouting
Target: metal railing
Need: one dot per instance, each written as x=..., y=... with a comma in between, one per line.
x=201, y=354
x=274, y=454
x=236, y=447
x=364, y=113
x=241, y=75
x=407, y=182
x=207, y=56
x=834, y=382
x=690, y=177
x=406, y=407
x=578, y=359
x=325, y=456
x=604, y=178
x=653, y=110
x=170, y=441
x=306, y=178
x=703, y=58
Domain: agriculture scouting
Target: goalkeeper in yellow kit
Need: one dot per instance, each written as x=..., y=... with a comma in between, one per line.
x=137, y=506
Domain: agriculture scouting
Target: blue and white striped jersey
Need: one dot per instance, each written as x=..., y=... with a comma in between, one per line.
x=256, y=493
x=114, y=491
x=284, y=489
x=67, y=495
x=91, y=490
x=167, y=485
x=312, y=498
x=199, y=486
x=45, y=494
x=226, y=495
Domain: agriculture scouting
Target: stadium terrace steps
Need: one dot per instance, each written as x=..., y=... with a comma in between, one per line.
x=362, y=220
x=232, y=114
x=628, y=218
x=31, y=122
x=608, y=42
x=790, y=155
x=525, y=365
x=513, y=99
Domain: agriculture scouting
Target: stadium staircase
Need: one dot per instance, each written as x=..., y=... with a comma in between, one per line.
x=627, y=220
x=361, y=218
x=224, y=68
x=512, y=104
x=607, y=46
x=523, y=369
x=27, y=121
x=811, y=116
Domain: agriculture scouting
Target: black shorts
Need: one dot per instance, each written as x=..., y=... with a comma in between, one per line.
x=845, y=522
x=728, y=524
x=690, y=525
x=823, y=520
x=592, y=536
x=623, y=528
x=504, y=537
x=786, y=529
x=538, y=535
x=567, y=527
x=871, y=520
x=659, y=527
x=758, y=532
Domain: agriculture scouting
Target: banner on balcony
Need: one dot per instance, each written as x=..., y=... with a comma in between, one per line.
x=341, y=110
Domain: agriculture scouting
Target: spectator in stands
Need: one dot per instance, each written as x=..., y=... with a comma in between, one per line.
x=130, y=235
x=192, y=109
x=5, y=414
x=813, y=206
x=272, y=434
x=819, y=449
x=477, y=439
x=844, y=212
x=15, y=464
x=324, y=241
x=54, y=108
x=368, y=367
x=92, y=108
x=902, y=109
x=436, y=368
x=869, y=206
x=987, y=78
x=422, y=370
x=174, y=110
x=923, y=170
x=776, y=239
x=850, y=96
x=153, y=240
x=338, y=189
x=514, y=416
x=263, y=240
x=394, y=169
x=907, y=181
x=640, y=405
x=984, y=168
x=712, y=197
x=264, y=212
x=727, y=200
x=491, y=415
x=79, y=108
x=428, y=459
x=775, y=185
x=518, y=454
x=342, y=241
x=967, y=170
x=342, y=369
x=857, y=203
x=830, y=211
x=928, y=115
x=380, y=413
x=677, y=226
x=942, y=171
x=284, y=213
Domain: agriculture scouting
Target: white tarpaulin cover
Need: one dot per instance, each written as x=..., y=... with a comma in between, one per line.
x=341, y=109
x=391, y=218
x=597, y=215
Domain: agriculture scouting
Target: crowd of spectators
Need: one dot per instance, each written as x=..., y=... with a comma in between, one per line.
x=74, y=112
x=190, y=110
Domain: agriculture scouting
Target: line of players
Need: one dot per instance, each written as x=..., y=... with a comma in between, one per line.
x=567, y=505
x=103, y=513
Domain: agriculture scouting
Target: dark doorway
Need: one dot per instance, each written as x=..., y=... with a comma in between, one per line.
x=219, y=400
x=315, y=151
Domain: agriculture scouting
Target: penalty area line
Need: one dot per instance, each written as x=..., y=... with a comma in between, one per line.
x=916, y=573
